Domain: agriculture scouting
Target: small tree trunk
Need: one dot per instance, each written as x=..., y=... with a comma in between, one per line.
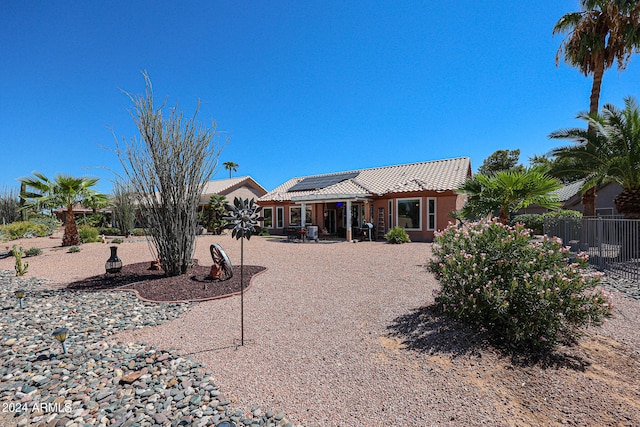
x=589, y=202
x=504, y=216
x=70, y=237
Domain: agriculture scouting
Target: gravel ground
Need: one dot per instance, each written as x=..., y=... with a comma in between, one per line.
x=338, y=335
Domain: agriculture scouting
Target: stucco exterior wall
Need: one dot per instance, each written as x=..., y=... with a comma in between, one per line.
x=445, y=203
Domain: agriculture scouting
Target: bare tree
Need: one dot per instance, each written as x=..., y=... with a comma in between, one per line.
x=168, y=166
x=9, y=205
x=124, y=206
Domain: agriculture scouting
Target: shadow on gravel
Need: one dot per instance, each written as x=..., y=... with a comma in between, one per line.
x=427, y=330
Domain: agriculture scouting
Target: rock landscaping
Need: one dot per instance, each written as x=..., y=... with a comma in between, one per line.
x=100, y=381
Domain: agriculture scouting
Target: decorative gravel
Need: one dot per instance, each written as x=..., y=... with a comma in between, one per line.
x=100, y=381
x=337, y=335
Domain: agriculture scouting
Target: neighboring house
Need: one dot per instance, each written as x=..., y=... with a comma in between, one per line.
x=571, y=198
x=243, y=187
x=80, y=211
x=418, y=197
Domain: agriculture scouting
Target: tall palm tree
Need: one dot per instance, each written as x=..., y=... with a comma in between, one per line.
x=64, y=191
x=231, y=167
x=504, y=192
x=610, y=152
x=604, y=32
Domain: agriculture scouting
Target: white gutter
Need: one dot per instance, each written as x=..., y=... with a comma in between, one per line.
x=328, y=198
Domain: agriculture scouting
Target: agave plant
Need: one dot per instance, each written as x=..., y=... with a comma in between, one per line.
x=243, y=219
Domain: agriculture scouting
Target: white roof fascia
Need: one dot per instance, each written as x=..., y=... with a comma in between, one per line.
x=327, y=198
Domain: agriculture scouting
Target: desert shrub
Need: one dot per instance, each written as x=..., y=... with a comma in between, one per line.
x=264, y=232
x=397, y=235
x=117, y=240
x=526, y=293
x=21, y=229
x=73, y=249
x=535, y=222
x=94, y=220
x=9, y=205
x=48, y=223
x=109, y=231
x=138, y=232
x=88, y=234
x=33, y=252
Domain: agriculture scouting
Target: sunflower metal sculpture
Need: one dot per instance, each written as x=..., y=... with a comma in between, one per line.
x=243, y=217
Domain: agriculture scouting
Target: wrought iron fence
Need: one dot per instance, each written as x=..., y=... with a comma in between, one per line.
x=612, y=243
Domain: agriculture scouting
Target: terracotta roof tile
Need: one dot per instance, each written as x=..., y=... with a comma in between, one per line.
x=438, y=175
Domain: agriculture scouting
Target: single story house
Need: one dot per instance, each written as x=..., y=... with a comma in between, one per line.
x=243, y=187
x=570, y=197
x=418, y=197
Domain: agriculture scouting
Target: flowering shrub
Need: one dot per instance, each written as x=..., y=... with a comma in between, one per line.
x=527, y=293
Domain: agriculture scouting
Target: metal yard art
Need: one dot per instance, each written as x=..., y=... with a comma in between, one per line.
x=221, y=269
x=243, y=218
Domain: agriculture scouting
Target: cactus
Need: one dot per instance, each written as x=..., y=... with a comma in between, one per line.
x=21, y=268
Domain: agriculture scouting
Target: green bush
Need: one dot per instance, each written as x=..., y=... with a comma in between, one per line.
x=22, y=229
x=397, y=235
x=94, y=220
x=109, y=231
x=138, y=232
x=117, y=240
x=49, y=223
x=33, y=252
x=526, y=293
x=89, y=234
x=535, y=222
x=73, y=249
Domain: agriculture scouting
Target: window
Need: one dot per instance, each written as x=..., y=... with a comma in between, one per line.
x=431, y=214
x=409, y=214
x=390, y=213
x=279, y=217
x=267, y=213
x=294, y=215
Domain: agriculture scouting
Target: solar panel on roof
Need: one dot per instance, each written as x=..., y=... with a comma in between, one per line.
x=323, y=181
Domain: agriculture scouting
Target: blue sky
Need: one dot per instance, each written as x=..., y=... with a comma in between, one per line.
x=300, y=87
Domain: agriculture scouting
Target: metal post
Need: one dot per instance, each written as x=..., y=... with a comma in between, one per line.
x=349, y=235
x=599, y=237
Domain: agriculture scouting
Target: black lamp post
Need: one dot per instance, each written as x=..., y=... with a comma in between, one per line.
x=114, y=264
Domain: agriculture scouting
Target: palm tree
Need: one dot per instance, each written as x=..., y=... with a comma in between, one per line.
x=504, y=192
x=604, y=32
x=231, y=167
x=610, y=152
x=65, y=191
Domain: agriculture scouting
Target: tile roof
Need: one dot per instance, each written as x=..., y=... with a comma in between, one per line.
x=569, y=190
x=219, y=186
x=438, y=175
